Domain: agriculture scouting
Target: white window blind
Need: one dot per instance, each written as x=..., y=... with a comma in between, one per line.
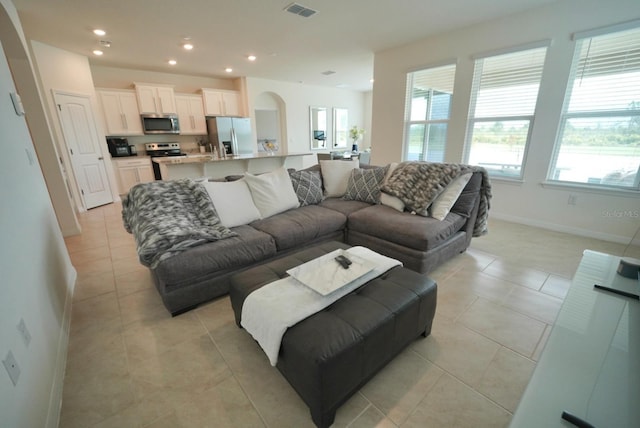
x=503, y=102
x=598, y=141
x=427, y=112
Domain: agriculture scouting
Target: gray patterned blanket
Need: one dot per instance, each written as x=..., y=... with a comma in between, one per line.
x=167, y=217
x=417, y=184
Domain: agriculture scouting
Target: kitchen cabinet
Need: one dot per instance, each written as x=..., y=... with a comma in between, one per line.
x=155, y=99
x=131, y=171
x=191, y=114
x=219, y=102
x=120, y=112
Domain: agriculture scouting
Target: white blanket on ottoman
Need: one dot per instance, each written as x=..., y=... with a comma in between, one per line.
x=271, y=309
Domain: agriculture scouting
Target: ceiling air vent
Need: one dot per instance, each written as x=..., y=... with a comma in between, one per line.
x=298, y=9
x=328, y=72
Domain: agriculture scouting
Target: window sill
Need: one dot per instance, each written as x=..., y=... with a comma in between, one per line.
x=601, y=190
x=506, y=180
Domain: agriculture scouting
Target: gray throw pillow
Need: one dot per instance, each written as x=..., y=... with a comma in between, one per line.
x=308, y=186
x=364, y=184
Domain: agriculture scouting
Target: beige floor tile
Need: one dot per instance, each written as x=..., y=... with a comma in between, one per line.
x=372, y=417
x=503, y=325
x=142, y=306
x=453, y=299
x=93, y=284
x=480, y=284
x=122, y=266
x=350, y=411
x=83, y=257
x=542, y=343
x=218, y=318
x=453, y=404
x=401, y=385
x=450, y=346
x=519, y=274
x=124, y=253
x=150, y=338
x=556, y=286
x=506, y=378
x=534, y=304
x=133, y=282
x=99, y=266
x=193, y=364
x=94, y=312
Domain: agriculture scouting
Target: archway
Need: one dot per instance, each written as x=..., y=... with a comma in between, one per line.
x=271, y=122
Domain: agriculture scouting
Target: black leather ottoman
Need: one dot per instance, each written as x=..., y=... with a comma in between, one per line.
x=330, y=355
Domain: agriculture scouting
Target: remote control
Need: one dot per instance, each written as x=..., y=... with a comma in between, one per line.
x=344, y=262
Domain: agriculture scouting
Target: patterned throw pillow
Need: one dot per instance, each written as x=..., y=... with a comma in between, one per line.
x=364, y=185
x=308, y=186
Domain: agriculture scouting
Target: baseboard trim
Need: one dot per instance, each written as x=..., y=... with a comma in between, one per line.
x=55, y=398
x=562, y=228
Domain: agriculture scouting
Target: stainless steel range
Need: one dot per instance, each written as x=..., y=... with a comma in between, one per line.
x=161, y=150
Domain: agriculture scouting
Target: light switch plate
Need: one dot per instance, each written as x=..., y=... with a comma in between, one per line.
x=12, y=367
x=24, y=332
x=17, y=103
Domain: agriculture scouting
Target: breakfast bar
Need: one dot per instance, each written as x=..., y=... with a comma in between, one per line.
x=207, y=165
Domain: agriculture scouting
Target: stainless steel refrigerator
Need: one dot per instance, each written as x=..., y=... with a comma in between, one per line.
x=231, y=135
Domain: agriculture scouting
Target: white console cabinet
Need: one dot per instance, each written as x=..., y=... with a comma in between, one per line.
x=131, y=171
x=590, y=366
x=120, y=112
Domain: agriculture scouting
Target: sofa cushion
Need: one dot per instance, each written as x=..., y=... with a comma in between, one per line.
x=387, y=199
x=233, y=202
x=335, y=176
x=272, y=192
x=301, y=225
x=308, y=186
x=445, y=200
x=249, y=246
x=344, y=206
x=413, y=231
x=364, y=184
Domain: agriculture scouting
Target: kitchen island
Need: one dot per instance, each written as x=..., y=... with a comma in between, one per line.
x=206, y=165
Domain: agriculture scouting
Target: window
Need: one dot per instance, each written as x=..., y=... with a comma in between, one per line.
x=598, y=140
x=503, y=102
x=427, y=111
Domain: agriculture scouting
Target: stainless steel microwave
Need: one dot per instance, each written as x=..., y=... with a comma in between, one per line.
x=160, y=123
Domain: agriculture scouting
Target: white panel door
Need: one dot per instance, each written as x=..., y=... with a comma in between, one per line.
x=82, y=141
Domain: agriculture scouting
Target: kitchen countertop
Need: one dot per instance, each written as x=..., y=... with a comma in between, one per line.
x=205, y=158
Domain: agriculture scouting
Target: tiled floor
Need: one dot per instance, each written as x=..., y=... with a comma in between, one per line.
x=131, y=365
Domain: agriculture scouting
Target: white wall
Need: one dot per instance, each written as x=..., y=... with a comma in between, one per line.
x=61, y=70
x=297, y=99
x=526, y=202
x=37, y=276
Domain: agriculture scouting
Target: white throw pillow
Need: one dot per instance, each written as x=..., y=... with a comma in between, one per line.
x=390, y=200
x=335, y=176
x=272, y=192
x=233, y=202
x=445, y=200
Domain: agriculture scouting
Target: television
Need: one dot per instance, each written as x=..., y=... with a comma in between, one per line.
x=319, y=135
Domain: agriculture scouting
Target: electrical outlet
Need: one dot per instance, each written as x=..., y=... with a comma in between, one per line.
x=572, y=199
x=12, y=367
x=24, y=333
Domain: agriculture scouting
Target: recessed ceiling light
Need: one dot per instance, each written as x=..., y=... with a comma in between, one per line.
x=228, y=69
x=173, y=62
x=188, y=46
x=251, y=57
x=97, y=52
x=99, y=32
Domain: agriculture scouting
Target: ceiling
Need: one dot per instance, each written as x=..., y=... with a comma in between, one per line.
x=341, y=37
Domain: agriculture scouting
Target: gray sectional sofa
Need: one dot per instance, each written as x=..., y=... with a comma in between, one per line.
x=202, y=272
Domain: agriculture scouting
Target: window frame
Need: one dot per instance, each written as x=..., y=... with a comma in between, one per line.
x=565, y=115
x=472, y=120
x=408, y=122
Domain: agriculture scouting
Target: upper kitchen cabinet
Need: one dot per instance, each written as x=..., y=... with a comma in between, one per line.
x=120, y=112
x=191, y=114
x=155, y=99
x=219, y=102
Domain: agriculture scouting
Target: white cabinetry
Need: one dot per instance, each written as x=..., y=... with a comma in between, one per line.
x=222, y=103
x=120, y=112
x=155, y=99
x=191, y=114
x=132, y=171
